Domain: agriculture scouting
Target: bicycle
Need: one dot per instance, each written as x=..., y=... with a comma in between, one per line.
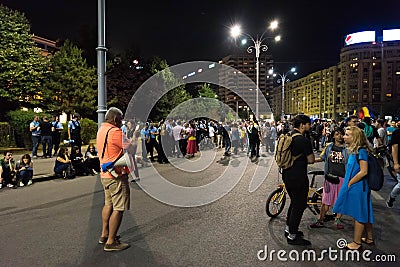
x=385, y=153
x=277, y=199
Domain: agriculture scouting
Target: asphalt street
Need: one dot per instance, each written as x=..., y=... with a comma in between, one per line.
x=57, y=222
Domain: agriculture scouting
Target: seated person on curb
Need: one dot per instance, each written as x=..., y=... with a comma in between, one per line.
x=7, y=170
x=77, y=162
x=92, y=160
x=24, y=170
x=62, y=163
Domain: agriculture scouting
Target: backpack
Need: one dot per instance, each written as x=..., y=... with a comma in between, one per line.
x=375, y=176
x=368, y=130
x=69, y=172
x=283, y=154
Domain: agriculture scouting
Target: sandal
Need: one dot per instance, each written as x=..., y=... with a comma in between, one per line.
x=359, y=248
x=368, y=241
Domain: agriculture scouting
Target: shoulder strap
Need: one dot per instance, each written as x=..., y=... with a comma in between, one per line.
x=105, y=142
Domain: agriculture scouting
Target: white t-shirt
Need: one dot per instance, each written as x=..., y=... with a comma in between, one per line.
x=383, y=135
x=211, y=131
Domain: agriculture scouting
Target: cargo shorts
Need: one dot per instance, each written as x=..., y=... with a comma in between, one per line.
x=117, y=192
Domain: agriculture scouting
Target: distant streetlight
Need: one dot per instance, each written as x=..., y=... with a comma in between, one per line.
x=283, y=79
x=258, y=47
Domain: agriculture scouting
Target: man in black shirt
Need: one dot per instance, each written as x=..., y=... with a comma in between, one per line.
x=296, y=180
x=47, y=141
x=394, y=143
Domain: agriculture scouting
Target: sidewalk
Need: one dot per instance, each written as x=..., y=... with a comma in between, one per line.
x=43, y=168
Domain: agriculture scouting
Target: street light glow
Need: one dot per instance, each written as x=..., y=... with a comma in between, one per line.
x=236, y=31
x=273, y=25
x=257, y=47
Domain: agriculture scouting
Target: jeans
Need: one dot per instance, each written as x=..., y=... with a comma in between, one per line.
x=227, y=143
x=271, y=144
x=35, y=144
x=60, y=168
x=47, y=145
x=396, y=189
x=25, y=175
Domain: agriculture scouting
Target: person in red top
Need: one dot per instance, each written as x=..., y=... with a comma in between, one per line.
x=111, y=145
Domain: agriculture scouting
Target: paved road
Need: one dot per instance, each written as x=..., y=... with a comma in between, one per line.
x=57, y=222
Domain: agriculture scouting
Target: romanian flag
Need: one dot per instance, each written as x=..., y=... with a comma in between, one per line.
x=365, y=112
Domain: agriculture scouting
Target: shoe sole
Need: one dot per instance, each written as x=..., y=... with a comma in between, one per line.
x=115, y=249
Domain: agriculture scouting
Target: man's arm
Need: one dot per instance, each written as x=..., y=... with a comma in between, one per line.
x=311, y=158
x=69, y=131
x=395, y=155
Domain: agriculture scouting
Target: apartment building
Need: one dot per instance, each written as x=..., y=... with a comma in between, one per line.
x=368, y=73
x=246, y=64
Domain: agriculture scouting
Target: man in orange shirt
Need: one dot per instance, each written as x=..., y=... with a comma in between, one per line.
x=116, y=188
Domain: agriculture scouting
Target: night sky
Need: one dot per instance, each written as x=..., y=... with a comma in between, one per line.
x=180, y=31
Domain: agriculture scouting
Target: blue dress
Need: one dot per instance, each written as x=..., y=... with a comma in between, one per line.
x=355, y=201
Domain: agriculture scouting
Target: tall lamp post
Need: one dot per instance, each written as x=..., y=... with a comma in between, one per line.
x=283, y=79
x=258, y=46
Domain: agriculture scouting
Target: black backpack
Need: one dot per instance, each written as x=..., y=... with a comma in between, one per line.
x=375, y=176
x=69, y=172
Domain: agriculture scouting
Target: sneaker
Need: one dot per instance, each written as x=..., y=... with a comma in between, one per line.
x=94, y=171
x=10, y=185
x=317, y=224
x=116, y=246
x=1, y=186
x=339, y=224
x=298, y=241
x=29, y=182
x=21, y=184
x=103, y=239
x=135, y=180
x=389, y=202
x=300, y=233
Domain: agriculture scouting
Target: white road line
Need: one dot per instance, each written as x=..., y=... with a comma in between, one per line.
x=376, y=195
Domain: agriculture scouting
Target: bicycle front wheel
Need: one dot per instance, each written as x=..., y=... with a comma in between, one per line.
x=316, y=200
x=275, y=202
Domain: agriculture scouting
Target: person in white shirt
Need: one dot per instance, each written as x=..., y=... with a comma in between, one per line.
x=381, y=132
x=211, y=132
x=176, y=133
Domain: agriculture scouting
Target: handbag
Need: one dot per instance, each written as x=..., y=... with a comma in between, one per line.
x=333, y=179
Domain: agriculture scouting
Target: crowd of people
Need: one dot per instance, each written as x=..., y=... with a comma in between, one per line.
x=345, y=148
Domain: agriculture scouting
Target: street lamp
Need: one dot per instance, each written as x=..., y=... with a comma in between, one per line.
x=283, y=79
x=258, y=47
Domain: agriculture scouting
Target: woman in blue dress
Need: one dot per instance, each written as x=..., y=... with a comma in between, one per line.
x=354, y=198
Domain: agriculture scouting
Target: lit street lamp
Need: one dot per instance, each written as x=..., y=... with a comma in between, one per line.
x=283, y=79
x=258, y=47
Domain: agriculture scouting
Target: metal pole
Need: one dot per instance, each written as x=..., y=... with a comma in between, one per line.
x=257, y=83
x=257, y=46
x=237, y=110
x=283, y=97
x=101, y=62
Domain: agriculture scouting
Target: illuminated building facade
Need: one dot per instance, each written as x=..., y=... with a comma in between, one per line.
x=368, y=74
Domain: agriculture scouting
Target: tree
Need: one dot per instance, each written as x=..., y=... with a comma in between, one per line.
x=172, y=98
x=22, y=67
x=206, y=91
x=124, y=77
x=72, y=82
